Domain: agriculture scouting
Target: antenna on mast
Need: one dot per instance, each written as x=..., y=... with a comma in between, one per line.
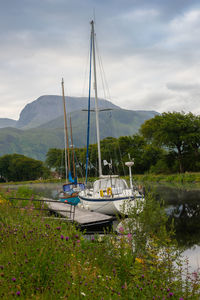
x=94, y=15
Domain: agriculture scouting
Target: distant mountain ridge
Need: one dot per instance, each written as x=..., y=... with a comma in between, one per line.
x=5, y=122
x=40, y=125
x=47, y=108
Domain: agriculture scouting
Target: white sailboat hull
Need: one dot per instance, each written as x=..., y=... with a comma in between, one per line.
x=108, y=206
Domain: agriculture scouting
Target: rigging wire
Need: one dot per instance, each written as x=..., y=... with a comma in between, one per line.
x=107, y=96
x=102, y=73
x=88, y=127
x=85, y=85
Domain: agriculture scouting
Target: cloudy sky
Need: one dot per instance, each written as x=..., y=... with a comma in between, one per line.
x=149, y=49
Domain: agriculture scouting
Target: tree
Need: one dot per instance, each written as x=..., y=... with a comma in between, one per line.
x=179, y=132
x=17, y=167
x=55, y=159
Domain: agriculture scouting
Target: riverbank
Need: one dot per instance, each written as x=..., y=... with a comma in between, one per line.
x=162, y=178
x=171, y=178
x=49, y=259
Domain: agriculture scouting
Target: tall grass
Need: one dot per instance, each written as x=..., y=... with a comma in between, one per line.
x=43, y=258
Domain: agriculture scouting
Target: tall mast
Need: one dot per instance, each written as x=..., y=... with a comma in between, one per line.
x=96, y=98
x=66, y=132
x=72, y=146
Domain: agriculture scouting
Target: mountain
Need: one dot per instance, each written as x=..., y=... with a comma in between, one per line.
x=5, y=122
x=40, y=125
x=115, y=122
x=47, y=108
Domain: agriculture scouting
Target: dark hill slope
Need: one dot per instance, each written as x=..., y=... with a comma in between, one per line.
x=35, y=142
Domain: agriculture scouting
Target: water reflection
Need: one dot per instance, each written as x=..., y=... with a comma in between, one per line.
x=183, y=206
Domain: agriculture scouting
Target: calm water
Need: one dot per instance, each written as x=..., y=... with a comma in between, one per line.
x=182, y=204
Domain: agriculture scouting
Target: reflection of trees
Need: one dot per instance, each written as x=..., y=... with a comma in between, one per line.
x=185, y=210
x=187, y=223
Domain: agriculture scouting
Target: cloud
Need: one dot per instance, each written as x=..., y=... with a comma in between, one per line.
x=181, y=87
x=149, y=49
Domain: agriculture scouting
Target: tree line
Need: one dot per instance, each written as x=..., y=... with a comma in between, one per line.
x=17, y=167
x=167, y=143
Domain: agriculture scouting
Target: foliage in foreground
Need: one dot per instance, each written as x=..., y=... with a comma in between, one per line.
x=42, y=258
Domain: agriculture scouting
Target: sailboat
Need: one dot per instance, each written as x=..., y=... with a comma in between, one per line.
x=109, y=192
x=71, y=188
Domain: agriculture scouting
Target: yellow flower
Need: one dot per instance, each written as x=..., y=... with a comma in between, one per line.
x=2, y=200
x=140, y=260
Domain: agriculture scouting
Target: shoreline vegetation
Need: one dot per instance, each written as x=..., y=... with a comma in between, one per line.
x=187, y=177
x=44, y=258
x=178, y=178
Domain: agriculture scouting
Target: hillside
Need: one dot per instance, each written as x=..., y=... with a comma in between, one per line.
x=37, y=131
x=5, y=122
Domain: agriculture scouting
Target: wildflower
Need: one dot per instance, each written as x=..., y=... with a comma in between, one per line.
x=124, y=286
x=18, y=293
x=129, y=236
x=1, y=267
x=83, y=294
x=58, y=228
x=78, y=241
x=67, y=238
x=181, y=299
x=92, y=238
x=76, y=236
x=171, y=294
x=13, y=279
x=195, y=275
x=62, y=237
x=121, y=229
x=141, y=261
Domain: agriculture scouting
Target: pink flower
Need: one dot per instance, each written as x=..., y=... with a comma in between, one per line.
x=129, y=236
x=121, y=229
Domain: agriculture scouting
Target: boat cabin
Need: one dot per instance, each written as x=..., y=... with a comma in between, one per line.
x=110, y=185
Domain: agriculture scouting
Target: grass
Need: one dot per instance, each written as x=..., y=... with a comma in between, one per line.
x=42, y=259
x=170, y=178
x=187, y=177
